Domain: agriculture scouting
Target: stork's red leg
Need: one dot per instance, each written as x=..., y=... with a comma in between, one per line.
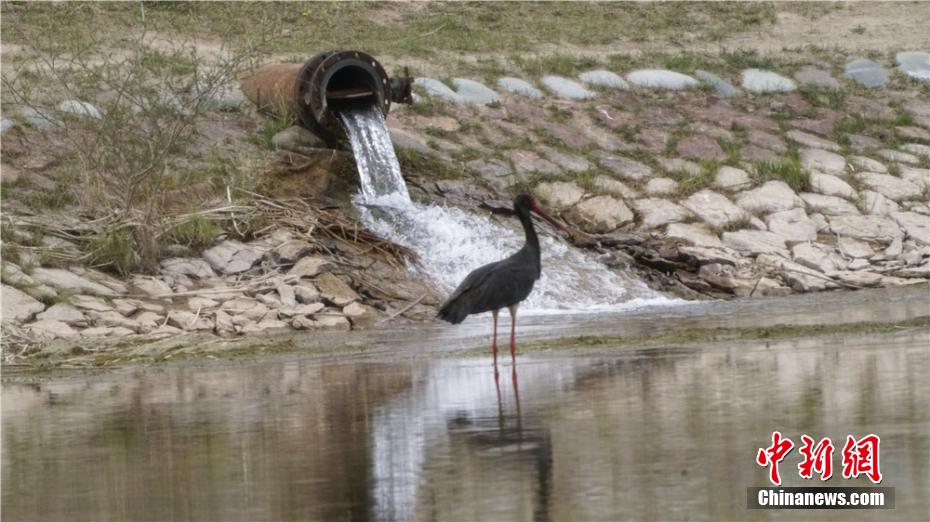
x=494, y=341
x=513, y=332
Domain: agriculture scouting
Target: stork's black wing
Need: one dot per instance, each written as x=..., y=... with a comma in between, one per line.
x=490, y=287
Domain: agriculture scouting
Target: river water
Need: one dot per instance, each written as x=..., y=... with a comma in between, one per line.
x=423, y=432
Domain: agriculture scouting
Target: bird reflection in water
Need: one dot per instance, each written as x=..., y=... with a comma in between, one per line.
x=511, y=451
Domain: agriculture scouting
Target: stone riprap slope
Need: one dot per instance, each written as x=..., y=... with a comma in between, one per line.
x=707, y=184
x=761, y=182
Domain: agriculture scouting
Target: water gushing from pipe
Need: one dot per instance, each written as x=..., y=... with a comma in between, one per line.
x=451, y=242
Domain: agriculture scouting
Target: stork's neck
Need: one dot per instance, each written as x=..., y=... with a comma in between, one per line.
x=532, y=241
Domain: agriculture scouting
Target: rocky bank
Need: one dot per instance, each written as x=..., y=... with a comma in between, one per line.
x=750, y=184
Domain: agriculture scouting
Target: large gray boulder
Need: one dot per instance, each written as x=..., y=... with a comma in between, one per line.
x=614, y=187
x=697, y=235
x=233, y=257
x=48, y=330
x=773, y=196
x=818, y=257
x=866, y=164
x=792, y=225
x=823, y=161
x=187, y=266
x=916, y=226
x=829, y=185
x=559, y=195
x=601, y=214
x=917, y=176
x=565, y=88
x=655, y=213
x=799, y=277
x=65, y=313
x=876, y=204
x=761, y=81
x=18, y=306
x=732, y=178
x=661, y=79
x=811, y=141
x=335, y=290
x=624, y=167
x=70, y=282
x=828, y=205
x=754, y=242
x=714, y=208
x=891, y=187
x=869, y=228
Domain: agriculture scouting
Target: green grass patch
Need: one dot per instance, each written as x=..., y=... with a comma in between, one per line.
x=790, y=171
x=689, y=183
x=54, y=199
x=748, y=59
x=273, y=124
x=820, y=97
x=558, y=114
x=197, y=232
x=413, y=163
x=560, y=64
x=114, y=249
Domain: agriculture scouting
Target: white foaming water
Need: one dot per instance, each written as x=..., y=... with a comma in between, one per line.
x=451, y=242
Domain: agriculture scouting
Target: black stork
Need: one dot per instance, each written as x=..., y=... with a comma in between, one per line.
x=505, y=283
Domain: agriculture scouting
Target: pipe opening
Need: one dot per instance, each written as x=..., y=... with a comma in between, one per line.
x=350, y=83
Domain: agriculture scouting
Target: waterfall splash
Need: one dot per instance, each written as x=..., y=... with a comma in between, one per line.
x=451, y=242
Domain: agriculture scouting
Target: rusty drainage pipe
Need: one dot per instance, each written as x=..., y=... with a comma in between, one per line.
x=325, y=82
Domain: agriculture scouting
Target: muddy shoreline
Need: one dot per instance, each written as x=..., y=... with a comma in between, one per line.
x=688, y=323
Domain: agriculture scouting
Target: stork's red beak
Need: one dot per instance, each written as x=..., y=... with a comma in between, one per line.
x=542, y=213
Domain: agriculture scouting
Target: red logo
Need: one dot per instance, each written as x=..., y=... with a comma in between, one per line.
x=773, y=455
x=860, y=457
x=820, y=459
